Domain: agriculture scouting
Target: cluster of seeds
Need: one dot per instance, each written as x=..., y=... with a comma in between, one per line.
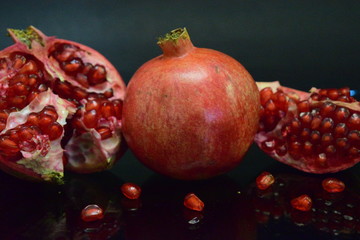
x=22, y=86
x=324, y=204
x=25, y=137
x=97, y=110
x=320, y=130
x=69, y=58
x=75, y=94
x=341, y=94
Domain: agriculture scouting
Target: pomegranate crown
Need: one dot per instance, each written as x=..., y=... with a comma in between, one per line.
x=26, y=36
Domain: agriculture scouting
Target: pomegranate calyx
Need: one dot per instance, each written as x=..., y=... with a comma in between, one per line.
x=26, y=36
x=176, y=43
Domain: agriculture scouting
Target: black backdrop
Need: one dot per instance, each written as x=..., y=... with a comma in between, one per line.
x=300, y=43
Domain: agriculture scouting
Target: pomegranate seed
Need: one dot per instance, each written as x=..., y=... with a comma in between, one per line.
x=330, y=149
x=340, y=130
x=33, y=119
x=97, y=75
x=117, y=108
x=92, y=213
x=303, y=106
x=86, y=69
x=341, y=114
x=82, y=79
x=107, y=109
x=21, y=89
x=345, y=91
x=90, y=119
x=29, y=67
x=315, y=123
x=72, y=65
x=327, y=124
x=54, y=131
x=333, y=185
x=321, y=159
x=281, y=150
x=264, y=180
x=79, y=94
x=109, y=93
x=333, y=94
x=25, y=134
x=8, y=146
x=270, y=106
x=305, y=134
x=191, y=201
x=315, y=136
x=50, y=111
x=326, y=139
x=302, y=203
x=327, y=109
x=354, y=122
x=105, y=132
x=305, y=118
x=308, y=147
x=45, y=122
x=92, y=105
x=131, y=190
x=323, y=92
x=265, y=95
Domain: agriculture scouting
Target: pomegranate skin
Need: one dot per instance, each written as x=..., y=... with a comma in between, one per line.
x=190, y=113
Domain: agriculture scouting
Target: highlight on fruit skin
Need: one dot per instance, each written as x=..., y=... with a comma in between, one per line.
x=60, y=107
x=316, y=131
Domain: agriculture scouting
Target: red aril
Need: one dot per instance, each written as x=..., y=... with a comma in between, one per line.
x=264, y=180
x=60, y=104
x=131, y=190
x=190, y=113
x=333, y=185
x=302, y=203
x=92, y=213
x=317, y=132
x=191, y=201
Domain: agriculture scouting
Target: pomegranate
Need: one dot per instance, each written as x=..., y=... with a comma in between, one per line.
x=317, y=132
x=190, y=113
x=60, y=104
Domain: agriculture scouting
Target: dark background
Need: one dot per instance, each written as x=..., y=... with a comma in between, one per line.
x=300, y=43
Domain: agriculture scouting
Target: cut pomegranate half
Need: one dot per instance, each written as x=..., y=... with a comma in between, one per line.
x=317, y=132
x=60, y=104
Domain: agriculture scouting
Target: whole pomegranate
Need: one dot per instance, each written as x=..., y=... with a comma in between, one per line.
x=317, y=132
x=190, y=113
x=60, y=104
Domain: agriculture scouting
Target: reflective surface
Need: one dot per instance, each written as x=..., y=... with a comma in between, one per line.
x=234, y=207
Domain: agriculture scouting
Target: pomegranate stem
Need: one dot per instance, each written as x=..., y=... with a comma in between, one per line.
x=176, y=43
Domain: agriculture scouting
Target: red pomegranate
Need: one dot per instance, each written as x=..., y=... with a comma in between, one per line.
x=60, y=103
x=317, y=132
x=190, y=113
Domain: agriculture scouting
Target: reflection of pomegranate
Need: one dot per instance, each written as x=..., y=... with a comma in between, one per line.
x=316, y=132
x=335, y=213
x=190, y=113
x=57, y=94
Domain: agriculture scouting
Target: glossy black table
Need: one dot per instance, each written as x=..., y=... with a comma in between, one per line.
x=234, y=208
